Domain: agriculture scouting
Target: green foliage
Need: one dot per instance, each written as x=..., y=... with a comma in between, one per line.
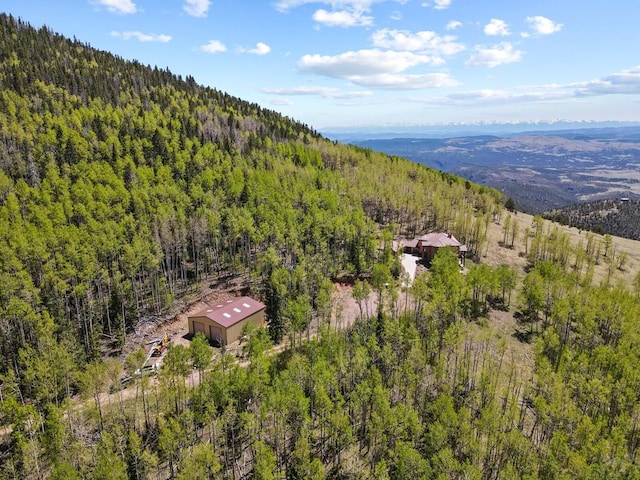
x=264, y=462
x=255, y=341
x=200, y=352
x=109, y=465
x=200, y=463
x=65, y=471
x=125, y=188
x=409, y=464
x=610, y=216
x=447, y=287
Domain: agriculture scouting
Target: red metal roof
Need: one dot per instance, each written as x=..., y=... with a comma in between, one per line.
x=229, y=312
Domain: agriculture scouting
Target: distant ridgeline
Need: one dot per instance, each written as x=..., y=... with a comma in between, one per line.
x=124, y=187
x=619, y=217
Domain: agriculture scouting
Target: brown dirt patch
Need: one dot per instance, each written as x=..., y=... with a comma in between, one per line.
x=494, y=254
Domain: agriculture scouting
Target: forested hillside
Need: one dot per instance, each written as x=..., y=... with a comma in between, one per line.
x=613, y=216
x=125, y=189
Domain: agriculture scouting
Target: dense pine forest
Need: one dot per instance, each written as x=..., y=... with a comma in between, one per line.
x=611, y=216
x=124, y=189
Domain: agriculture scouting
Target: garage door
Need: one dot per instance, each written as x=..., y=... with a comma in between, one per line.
x=198, y=327
x=216, y=335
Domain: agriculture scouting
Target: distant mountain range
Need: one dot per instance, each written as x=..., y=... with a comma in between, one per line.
x=540, y=170
x=378, y=132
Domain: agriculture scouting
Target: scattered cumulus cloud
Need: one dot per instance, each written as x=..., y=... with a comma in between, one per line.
x=542, y=26
x=453, y=24
x=343, y=13
x=260, y=49
x=425, y=41
x=361, y=63
x=142, y=37
x=122, y=7
x=214, y=46
x=494, y=97
x=375, y=69
x=442, y=4
x=326, y=92
x=342, y=18
x=494, y=55
x=437, y=4
x=357, y=5
x=392, y=81
x=285, y=5
x=396, y=16
x=497, y=27
x=551, y=93
x=197, y=8
x=625, y=82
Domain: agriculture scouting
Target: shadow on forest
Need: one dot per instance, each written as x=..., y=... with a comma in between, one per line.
x=523, y=331
x=281, y=360
x=523, y=335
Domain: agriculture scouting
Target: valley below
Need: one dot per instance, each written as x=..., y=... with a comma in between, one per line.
x=539, y=170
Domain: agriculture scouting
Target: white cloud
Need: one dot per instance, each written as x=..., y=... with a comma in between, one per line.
x=497, y=27
x=142, y=37
x=197, y=8
x=260, y=49
x=361, y=63
x=453, y=24
x=342, y=18
x=485, y=97
x=524, y=94
x=625, y=82
x=372, y=68
x=494, y=55
x=392, y=81
x=326, y=92
x=344, y=13
x=442, y=4
x=425, y=41
x=543, y=26
x=385, y=81
x=357, y=5
x=118, y=6
x=437, y=4
x=284, y=5
x=214, y=46
x=396, y=16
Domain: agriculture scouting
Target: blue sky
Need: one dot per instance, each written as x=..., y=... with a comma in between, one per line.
x=348, y=63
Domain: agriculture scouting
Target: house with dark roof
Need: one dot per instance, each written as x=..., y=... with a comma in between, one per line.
x=222, y=322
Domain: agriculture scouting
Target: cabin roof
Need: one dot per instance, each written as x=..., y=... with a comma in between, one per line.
x=438, y=240
x=229, y=312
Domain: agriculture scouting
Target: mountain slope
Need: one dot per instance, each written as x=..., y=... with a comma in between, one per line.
x=123, y=187
x=618, y=217
x=117, y=204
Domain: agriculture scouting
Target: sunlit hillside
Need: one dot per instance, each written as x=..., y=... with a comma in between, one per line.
x=129, y=195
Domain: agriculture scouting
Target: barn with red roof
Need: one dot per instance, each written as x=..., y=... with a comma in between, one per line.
x=222, y=322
